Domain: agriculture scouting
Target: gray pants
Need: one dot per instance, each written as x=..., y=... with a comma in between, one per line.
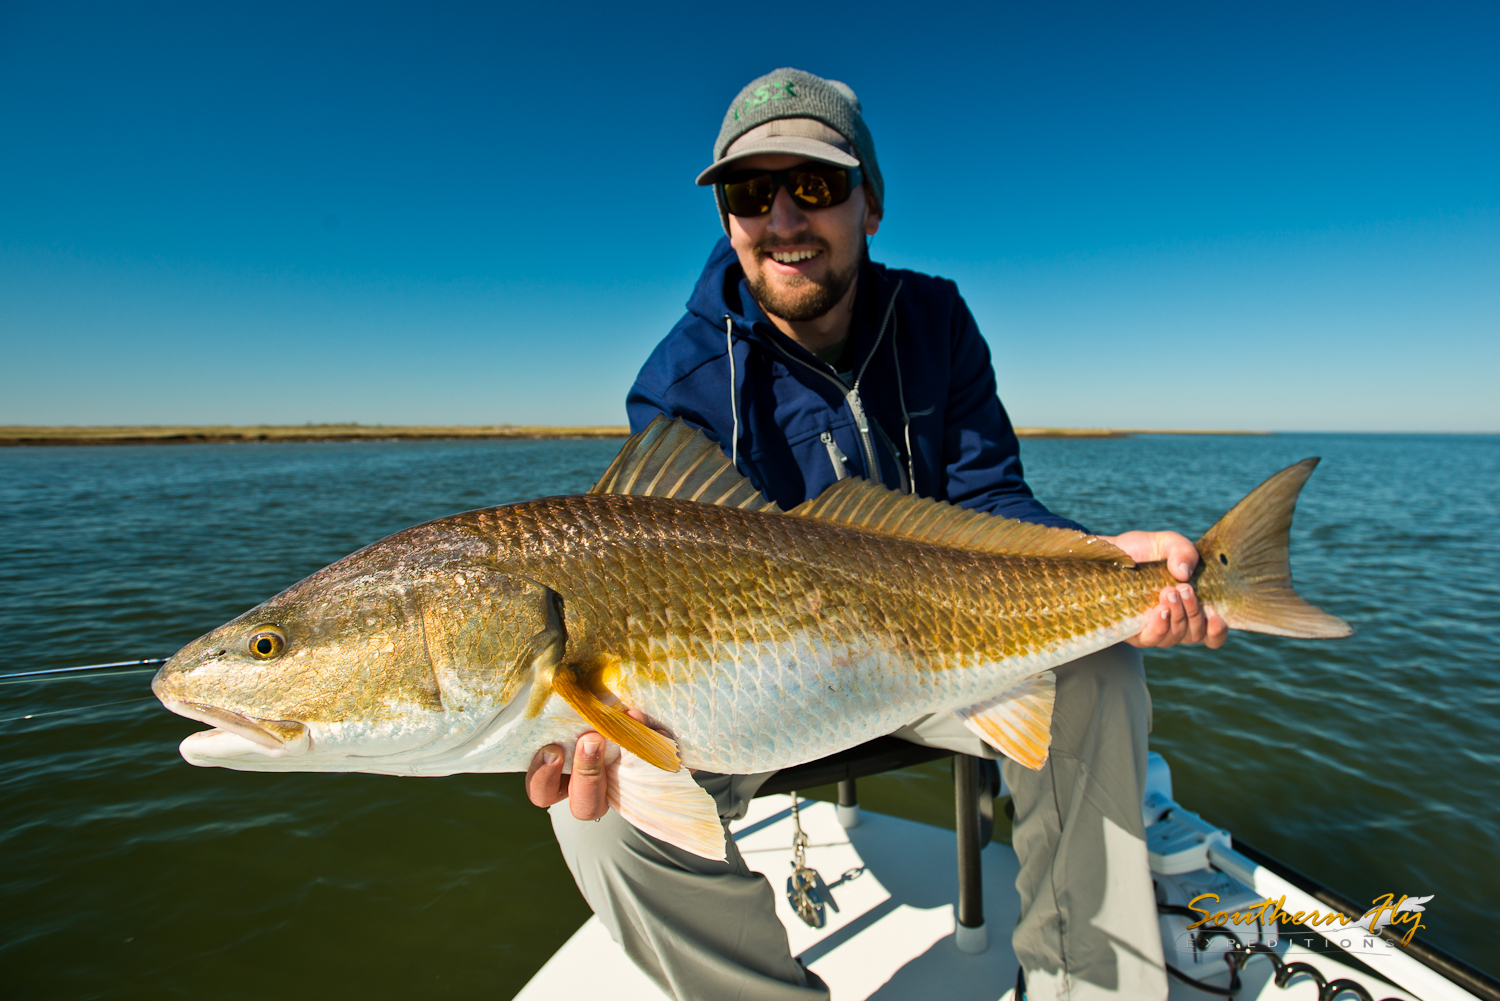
x=1088, y=924
x=708, y=930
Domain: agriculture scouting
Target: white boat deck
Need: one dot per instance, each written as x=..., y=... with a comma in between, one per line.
x=895, y=883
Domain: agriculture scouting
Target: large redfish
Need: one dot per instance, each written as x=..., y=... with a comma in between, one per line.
x=757, y=638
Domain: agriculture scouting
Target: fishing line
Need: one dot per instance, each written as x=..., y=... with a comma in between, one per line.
x=78, y=709
x=84, y=667
x=78, y=679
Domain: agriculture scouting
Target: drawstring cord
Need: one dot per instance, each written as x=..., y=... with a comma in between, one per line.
x=911, y=468
x=734, y=445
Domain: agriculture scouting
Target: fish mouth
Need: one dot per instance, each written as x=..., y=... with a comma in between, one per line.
x=235, y=734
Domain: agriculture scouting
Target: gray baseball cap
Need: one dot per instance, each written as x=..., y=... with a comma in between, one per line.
x=806, y=137
x=794, y=112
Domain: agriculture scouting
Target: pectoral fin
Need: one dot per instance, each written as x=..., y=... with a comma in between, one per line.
x=613, y=724
x=545, y=651
x=667, y=805
x=1018, y=723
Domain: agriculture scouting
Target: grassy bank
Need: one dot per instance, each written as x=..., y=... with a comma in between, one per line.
x=1116, y=432
x=185, y=434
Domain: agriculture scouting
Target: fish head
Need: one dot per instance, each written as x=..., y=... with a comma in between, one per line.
x=368, y=665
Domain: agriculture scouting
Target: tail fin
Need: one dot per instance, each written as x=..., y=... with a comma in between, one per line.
x=1247, y=573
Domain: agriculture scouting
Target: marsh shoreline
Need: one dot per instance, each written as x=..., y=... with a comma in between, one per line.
x=24, y=435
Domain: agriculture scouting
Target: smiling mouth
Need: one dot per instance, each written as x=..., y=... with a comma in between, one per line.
x=234, y=734
x=793, y=256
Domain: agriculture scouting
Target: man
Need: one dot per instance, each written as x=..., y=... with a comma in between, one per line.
x=807, y=363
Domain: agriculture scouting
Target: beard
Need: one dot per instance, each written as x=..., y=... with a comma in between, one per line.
x=801, y=298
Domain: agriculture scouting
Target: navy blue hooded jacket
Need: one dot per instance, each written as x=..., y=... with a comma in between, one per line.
x=918, y=410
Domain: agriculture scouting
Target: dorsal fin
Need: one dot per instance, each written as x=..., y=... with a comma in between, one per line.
x=671, y=458
x=876, y=508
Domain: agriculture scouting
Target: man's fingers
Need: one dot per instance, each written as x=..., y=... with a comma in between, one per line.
x=1176, y=617
x=587, y=789
x=1153, y=628
x=545, y=781
x=1197, y=622
x=1180, y=554
x=1174, y=549
x=588, y=792
x=1217, y=632
x=1181, y=618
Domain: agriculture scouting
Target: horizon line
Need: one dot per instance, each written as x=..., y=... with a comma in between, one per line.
x=165, y=434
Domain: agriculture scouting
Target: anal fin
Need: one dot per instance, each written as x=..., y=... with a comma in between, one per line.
x=613, y=724
x=667, y=805
x=1017, y=723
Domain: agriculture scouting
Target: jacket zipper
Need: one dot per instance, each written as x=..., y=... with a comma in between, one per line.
x=836, y=456
x=851, y=393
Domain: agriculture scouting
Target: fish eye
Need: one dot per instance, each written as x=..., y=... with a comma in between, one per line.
x=265, y=642
x=1224, y=559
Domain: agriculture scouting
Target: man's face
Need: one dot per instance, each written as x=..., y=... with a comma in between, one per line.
x=774, y=248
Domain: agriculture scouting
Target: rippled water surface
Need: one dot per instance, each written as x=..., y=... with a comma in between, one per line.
x=1371, y=762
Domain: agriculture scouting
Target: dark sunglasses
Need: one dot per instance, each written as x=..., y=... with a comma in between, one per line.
x=812, y=186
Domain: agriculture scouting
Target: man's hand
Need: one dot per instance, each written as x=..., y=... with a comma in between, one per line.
x=587, y=789
x=1178, y=618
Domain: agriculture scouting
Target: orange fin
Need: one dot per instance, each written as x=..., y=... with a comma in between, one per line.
x=1018, y=723
x=667, y=805
x=613, y=724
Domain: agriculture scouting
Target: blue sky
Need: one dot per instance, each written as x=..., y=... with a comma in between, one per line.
x=1281, y=216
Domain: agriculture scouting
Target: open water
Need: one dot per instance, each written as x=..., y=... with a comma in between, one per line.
x=1371, y=763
